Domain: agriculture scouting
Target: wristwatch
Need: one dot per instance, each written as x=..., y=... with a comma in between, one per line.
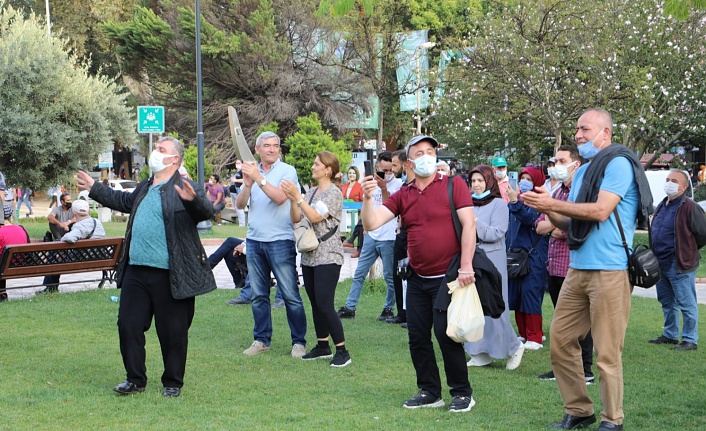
x=263, y=182
x=299, y=202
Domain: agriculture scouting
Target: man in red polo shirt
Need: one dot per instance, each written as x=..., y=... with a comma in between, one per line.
x=425, y=210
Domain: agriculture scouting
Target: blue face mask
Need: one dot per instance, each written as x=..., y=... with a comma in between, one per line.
x=480, y=196
x=588, y=150
x=526, y=186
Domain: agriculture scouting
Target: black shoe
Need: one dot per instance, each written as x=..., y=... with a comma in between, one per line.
x=685, y=345
x=318, y=353
x=423, y=399
x=128, y=388
x=573, y=422
x=404, y=325
x=346, y=313
x=663, y=340
x=547, y=376
x=386, y=314
x=3, y=297
x=589, y=377
x=395, y=319
x=237, y=301
x=50, y=289
x=461, y=404
x=171, y=392
x=609, y=426
x=342, y=359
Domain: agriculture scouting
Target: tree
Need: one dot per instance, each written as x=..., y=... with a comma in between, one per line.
x=253, y=59
x=310, y=139
x=54, y=116
x=530, y=70
x=191, y=163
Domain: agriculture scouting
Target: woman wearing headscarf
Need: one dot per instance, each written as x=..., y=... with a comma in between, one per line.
x=525, y=294
x=499, y=338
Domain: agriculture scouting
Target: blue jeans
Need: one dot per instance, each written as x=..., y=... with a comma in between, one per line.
x=677, y=292
x=278, y=257
x=246, y=291
x=370, y=252
x=225, y=252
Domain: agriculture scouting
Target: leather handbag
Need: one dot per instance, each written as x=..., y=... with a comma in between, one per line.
x=643, y=266
x=518, y=260
x=305, y=237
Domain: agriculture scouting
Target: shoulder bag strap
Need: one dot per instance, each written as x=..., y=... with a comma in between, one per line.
x=94, y=228
x=332, y=231
x=454, y=214
x=622, y=234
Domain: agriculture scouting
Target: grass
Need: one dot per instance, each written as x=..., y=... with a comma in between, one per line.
x=60, y=359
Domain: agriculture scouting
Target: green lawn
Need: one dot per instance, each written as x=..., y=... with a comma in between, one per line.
x=60, y=359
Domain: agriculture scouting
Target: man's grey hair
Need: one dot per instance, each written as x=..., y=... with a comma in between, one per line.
x=684, y=175
x=178, y=146
x=266, y=135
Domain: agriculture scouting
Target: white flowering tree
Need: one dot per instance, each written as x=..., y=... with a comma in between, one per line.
x=530, y=70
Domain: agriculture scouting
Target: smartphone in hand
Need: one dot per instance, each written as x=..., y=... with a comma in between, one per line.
x=368, y=168
x=512, y=178
x=381, y=174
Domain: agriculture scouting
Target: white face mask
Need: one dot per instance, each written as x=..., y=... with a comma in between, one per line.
x=500, y=174
x=561, y=172
x=157, y=161
x=671, y=189
x=425, y=166
x=238, y=167
x=389, y=177
x=552, y=172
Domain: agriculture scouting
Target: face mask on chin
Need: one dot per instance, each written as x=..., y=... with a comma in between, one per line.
x=588, y=150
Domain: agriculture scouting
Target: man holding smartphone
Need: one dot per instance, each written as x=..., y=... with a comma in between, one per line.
x=379, y=242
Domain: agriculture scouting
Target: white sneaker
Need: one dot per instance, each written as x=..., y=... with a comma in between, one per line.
x=531, y=345
x=298, y=350
x=516, y=358
x=256, y=348
x=544, y=338
x=480, y=360
x=522, y=339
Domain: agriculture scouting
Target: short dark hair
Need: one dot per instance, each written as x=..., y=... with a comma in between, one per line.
x=384, y=156
x=216, y=177
x=401, y=155
x=572, y=149
x=63, y=195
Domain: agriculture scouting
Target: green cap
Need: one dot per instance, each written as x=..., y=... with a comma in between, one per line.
x=499, y=162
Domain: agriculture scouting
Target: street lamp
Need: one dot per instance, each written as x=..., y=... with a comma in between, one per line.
x=425, y=45
x=205, y=225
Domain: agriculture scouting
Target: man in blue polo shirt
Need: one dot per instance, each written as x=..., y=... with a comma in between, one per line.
x=270, y=241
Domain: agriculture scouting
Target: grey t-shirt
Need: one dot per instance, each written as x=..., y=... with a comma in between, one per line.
x=330, y=251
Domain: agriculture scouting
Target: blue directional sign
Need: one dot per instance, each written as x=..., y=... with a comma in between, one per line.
x=150, y=119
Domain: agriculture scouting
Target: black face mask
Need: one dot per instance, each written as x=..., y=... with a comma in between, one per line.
x=67, y=205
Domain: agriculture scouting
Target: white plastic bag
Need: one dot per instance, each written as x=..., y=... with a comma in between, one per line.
x=465, y=314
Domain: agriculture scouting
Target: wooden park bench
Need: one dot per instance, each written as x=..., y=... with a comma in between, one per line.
x=49, y=258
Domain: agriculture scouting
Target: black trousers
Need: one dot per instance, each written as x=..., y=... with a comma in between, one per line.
x=357, y=233
x=399, y=253
x=421, y=318
x=146, y=293
x=554, y=284
x=320, y=284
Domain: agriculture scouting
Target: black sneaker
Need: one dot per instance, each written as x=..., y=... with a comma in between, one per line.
x=386, y=314
x=589, y=378
x=3, y=297
x=342, y=359
x=461, y=404
x=346, y=313
x=547, y=376
x=318, y=353
x=128, y=388
x=404, y=325
x=395, y=320
x=423, y=399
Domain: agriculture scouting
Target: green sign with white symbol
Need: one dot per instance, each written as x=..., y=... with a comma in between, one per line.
x=150, y=119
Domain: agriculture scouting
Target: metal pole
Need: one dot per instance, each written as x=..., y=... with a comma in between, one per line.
x=150, y=153
x=48, y=20
x=419, y=94
x=204, y=226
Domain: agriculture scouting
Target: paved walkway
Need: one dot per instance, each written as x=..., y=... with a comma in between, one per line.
x=225, y=281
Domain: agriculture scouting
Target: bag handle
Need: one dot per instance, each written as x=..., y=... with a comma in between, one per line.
x=454, y=213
